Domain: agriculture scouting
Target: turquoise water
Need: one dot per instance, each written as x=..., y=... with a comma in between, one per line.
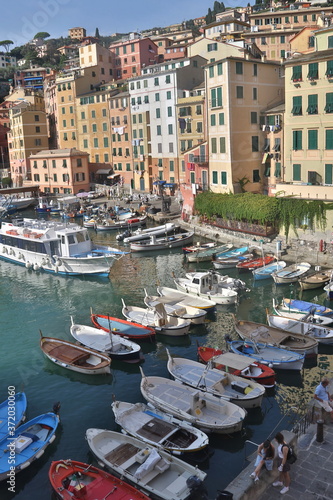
x=32, y=301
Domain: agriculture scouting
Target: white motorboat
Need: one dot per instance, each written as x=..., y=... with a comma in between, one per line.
x=158, y=428
x=144, y=234
x=174, y=241
x=55, y=247
x=321, y=333
x=157, y=318
x=291, y=274
x=185, y=298
x=206, y=285
x=157, y=472
x=257, y=332
x=209, y=413
x=174, y=308
x=115, y=346
x=310, y=316
x=237, y=390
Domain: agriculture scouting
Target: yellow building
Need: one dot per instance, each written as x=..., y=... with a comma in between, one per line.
x=76, y=33
x=237, y=91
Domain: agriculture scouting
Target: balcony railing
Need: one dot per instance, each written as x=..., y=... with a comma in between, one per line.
x=200, y=159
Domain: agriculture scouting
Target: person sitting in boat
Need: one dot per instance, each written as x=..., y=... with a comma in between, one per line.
x=323, y=397
x=266, y=453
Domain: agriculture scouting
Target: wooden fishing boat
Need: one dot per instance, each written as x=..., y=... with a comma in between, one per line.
x=174, y=241
x=317, y=279
x=291, y=274
x=206, y=285
x=118, y=348
x=144, y=234
x=255, y=263
x=244, y=393
x=306, y=307
x=158, y=428
x=71, y=479
x=156, y=471
x=27, y=443
x=174, y=308
x=230, y=262
x=236, y=252
x=205, y=255
x=310, y=317
x=122, y=327
x=199, y=408
x=266, y=272
x=12, y=413
x=296, y=342
x=321, y=333
x=114, y=225
x=237, y=365
x=275, y=357
x=74, y=357
x=186, y=298
x=156, y=317
x=200, y=246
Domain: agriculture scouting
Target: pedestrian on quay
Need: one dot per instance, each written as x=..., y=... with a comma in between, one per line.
x=323, y=397
x=284, y=468
x=266, y=453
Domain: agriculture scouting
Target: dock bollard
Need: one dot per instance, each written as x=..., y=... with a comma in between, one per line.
x=320, y=431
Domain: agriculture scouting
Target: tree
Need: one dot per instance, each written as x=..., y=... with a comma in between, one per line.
x=5, y=44
x=41, y=34
x=209, y=18
x=97, y=33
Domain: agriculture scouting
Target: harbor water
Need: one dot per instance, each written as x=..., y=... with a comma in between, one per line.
x=35, y=301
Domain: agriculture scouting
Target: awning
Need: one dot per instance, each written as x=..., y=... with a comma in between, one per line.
x=159, y=183
x=169, y=184
x=113, y=176
x=264, y=158
x=104, y=171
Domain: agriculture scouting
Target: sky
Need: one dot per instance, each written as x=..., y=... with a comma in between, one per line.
x=22, y=19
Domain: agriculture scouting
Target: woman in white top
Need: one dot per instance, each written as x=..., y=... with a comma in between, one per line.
x=284, y=467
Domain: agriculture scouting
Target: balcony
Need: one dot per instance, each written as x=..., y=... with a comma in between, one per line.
x=200, y=160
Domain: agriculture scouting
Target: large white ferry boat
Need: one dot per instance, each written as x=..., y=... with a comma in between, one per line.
x=55, y=247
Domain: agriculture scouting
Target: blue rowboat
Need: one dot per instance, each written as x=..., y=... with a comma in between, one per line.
x=266, y=272
x=231, y=253
x=306, y=307
x=12, y=413
x=27, y=444
x=122, y=327
x=275, y=357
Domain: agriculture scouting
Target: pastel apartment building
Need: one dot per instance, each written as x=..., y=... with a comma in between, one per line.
x=132, y=54
x=77, y=33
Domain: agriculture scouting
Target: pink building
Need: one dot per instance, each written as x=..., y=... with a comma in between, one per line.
x=132, y=54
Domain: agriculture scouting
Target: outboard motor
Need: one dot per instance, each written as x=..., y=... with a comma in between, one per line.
x=198, y=490
x=224, y=495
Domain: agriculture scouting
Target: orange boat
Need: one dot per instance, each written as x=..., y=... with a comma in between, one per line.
x=236, y=365
x=255, y=263
x=71, y=479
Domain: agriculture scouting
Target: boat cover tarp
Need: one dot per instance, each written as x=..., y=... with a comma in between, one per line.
x=305, y=306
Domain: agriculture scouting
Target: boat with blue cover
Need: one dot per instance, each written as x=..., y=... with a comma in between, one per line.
x=275, y=357
x=306, y=307
x=12, y=413
x=27, y=443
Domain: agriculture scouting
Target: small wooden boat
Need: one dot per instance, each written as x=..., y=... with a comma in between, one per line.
x=12, y=412
x=122, y=327
x=255, y=263
x=321, y=333
x=296, y=342
x=306, y=307
x=317, y=279
x=156, y=317
x=200, y=246
x=209, y=413
x=158, y=428
x=205, y=255
x=230, y=262
x=186, y=298
x=118, y=348
x=114, y=225
x=156, y=471
x=266, y=272
x=291, y=274
x=236, y=252
x=310, y=317
x=27, y=443
x=74, y=357
x=174, y=308
x=237, y=365
x=275, y=357
x=174, y=241
x=71, y=479
x=206, y=285
x=144, y=234
x=244, y=393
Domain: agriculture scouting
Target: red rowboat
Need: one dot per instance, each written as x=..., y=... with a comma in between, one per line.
x=254, y=263
x=122, y=327
x=73, y=480
x=231, y=363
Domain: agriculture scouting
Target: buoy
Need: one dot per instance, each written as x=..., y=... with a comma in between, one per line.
x=36, y=266
x=4, y=250
x=58, y=262
x=43, y=262
x=28, y=265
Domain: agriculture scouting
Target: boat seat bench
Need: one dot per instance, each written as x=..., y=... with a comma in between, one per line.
x=68, y=354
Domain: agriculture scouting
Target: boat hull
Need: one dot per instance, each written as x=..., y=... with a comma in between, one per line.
x=164, y=244
x=12, y=413
x=218, y=298
x=122, y=327
x=201, y=303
